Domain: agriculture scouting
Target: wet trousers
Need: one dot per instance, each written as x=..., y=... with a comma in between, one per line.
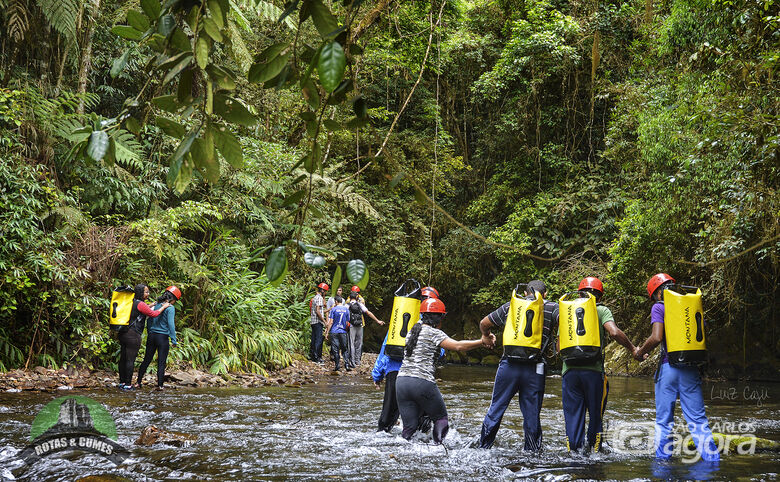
x=130, y=343
x=521, y=379
x=584, y=390
x=685, y=383
x=155, y=342
x=418, y=397
x=390, y=413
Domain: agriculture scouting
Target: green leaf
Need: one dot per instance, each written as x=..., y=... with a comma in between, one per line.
x=184, y=92
x=336, y=279
x=276, y=265
x=166, y=25
x=118, y=65
x=137, y=20
x=271, y=52
x=314, y=260
x=183, y=64
x=233, y=111
x=289, y=8
x=308, y=164
x=184, y=146
x=356, y=123
x=180, y=40
x=294, y=198
x=127, y=32
x=185, y=175
x=205, y=159
x=331, y=66
x=323, y=19
x=223, y=78
x=216, y=13
x=359, y=107
x=332, y=125
x=364, y=282
x=98, y=145
x=167, y=102
x=356, y=270
x=173, y=129
x=202, y=47
x=311, y=95
x=212, y=29
x=308, y=116
x=261, y=72
x=229, y=146
x=396, y=179
x=151, y=8
x=133, y=125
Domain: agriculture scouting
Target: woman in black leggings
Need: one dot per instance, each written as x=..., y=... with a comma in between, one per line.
x=130, y=335
x=157, y=333
x=415, y=386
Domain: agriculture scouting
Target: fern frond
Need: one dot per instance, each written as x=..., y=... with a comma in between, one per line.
x=18, y=21
x=345, y=193
x=128, y=150
x=62, y=15
x=265, y=10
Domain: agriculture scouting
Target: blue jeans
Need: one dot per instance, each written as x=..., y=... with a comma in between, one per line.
x=315, y=350
x=584, y=390
x=521, y=379
x=685, y=383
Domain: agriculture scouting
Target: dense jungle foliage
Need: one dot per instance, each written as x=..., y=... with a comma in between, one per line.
x=472, y=145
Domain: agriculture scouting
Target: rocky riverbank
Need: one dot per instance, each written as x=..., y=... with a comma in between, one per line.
x=299, y=373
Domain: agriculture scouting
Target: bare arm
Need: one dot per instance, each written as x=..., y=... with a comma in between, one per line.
x=463, y=345
x=618, y=335
x=327, y=327
x=371, y=315
x=488, y=339
x=652, y=341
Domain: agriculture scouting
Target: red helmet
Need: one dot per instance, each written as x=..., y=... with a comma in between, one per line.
x=432, y=305
x=657, y=281
x=592, y=283
x=174, y=291
x=430, y=292
x=323, y=286
x=356, y=289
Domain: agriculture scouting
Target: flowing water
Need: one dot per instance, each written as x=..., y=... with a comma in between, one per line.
x=327, y=431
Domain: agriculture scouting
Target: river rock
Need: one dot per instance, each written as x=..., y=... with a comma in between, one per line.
x=152, y=435
x=733, y=442
x=40, y=370
x=491, y=360
x=472, y=361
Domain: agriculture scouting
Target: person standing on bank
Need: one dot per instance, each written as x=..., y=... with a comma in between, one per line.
x=338, y=318
x=356, y=311
x=415, y=385
x=317, y=321
x=130, y=335
x=522, y=368
x=158, y=331
x=584, y=384
x=678, y=379
x=332, y=301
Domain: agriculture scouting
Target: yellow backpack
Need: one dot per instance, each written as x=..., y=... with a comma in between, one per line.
x=686, y=344
x=121, y=307
x=579, y=330
x=523, y=330
x=406, y=312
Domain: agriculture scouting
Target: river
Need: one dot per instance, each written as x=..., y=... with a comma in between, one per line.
x=327, y=431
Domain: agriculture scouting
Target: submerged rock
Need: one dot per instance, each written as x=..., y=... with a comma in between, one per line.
x=152, y=435
x=740, y=443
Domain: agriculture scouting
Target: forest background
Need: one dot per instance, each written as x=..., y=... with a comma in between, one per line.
x=472, y=145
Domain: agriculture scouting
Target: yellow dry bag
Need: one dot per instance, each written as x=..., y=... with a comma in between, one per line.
x=579, y=330
x=406, y=312
x=523, y=329
x=684, y=328
x=121, y=307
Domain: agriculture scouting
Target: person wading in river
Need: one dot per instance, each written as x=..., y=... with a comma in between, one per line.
x=130, y=335
x=317, y=321
x=158, y=331
x=672, y=382
x=338, y=318
x=387, y=368
x=584, y=384
x=357, y=309
x=415, y=385
x=524, y=377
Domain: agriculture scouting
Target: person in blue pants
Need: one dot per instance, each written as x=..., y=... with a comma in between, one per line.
x=585, y=386
x=524, y=378
x=673, y=382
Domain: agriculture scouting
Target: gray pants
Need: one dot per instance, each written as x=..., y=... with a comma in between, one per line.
x=355, y=344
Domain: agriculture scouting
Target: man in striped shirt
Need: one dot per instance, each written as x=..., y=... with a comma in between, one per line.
x=521, y=377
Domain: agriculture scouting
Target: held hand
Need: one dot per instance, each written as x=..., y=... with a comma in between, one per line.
x=636, y=354
x=378, y=385
x=381, y=323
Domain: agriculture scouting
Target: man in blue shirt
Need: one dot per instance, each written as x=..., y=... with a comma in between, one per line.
x=337, y=330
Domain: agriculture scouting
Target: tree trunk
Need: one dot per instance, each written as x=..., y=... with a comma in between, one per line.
x=86, y=52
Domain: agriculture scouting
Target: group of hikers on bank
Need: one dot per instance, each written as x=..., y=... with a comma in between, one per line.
x=531, y=326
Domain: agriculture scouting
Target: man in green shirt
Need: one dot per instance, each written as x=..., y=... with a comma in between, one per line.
x=585, y=386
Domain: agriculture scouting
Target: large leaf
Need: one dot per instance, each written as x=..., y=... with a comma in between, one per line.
x=202, y=48
x=184, y=146
x=172, y=128
x=119, y=63
x=167, y=102
x=98, y=145
x=364, y=282
x=336, y=279
x=151, y=8
x=127, y=32
x=262, y=72
x=276, y=265
x=233, y=111
x=356, y=270
x=205, y=159
x=183, y=64
x=323, y=19
x=314, y=260
x=137, y=20
x=166, y=25
x=331, y=66
x=228, y=145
